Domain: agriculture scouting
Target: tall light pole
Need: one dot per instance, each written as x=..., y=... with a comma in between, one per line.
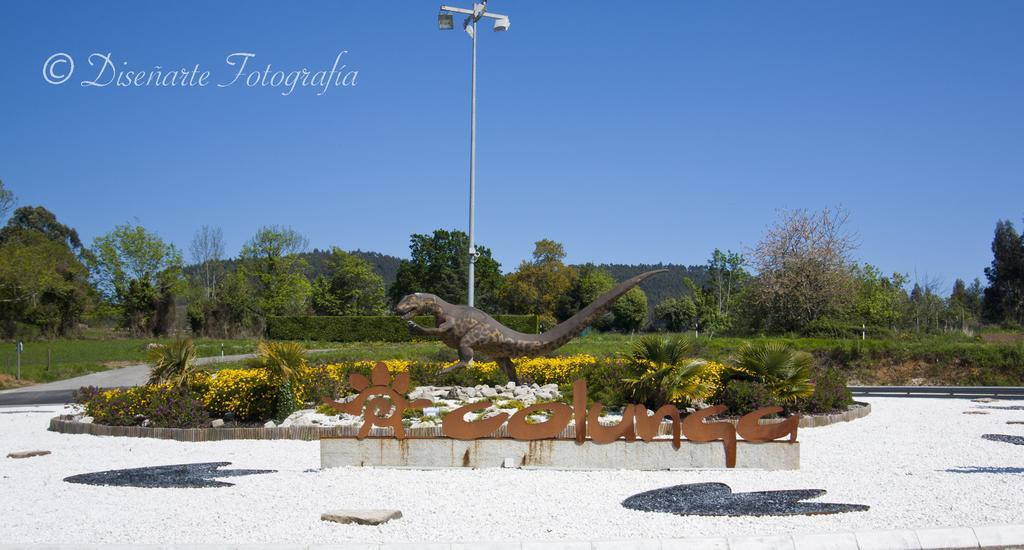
x=501, y=23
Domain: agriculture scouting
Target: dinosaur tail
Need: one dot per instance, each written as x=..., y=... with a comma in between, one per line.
x=573, y=326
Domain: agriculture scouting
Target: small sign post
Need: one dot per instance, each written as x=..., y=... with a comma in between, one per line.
x=18, y=349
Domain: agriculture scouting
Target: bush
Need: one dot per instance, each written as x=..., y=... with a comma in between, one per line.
x=174, y=363
x=830, y=394
x=785, y=371
x=120, y=407
x=382, y=328
x=660, y=370
x=832, y=328
x=315, y=382
x=604, y=383
x=248, y=393
x=282, y=360
x=743, y=396
x=85, y=394
x=175, y=407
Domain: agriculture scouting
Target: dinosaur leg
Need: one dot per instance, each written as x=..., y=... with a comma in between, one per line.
x=470, y=340
x=508, y=368
x=465, y=357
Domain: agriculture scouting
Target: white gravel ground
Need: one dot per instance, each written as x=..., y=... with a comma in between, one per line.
x=895, y=460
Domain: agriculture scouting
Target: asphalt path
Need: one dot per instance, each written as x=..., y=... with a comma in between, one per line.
x=59, y=392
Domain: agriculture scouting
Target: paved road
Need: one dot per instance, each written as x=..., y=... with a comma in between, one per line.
x=59, y=392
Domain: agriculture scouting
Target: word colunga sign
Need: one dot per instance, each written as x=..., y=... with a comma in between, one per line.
x=381, y=403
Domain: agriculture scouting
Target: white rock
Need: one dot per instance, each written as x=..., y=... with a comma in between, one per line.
x=488, y=391
x=217, y=423
x=510, y=385
x=86, y=420
x=897, y=460
x=270, y=424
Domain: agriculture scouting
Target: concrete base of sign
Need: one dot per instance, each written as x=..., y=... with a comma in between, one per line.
x=558, y=454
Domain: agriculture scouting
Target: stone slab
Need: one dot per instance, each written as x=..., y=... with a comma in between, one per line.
x=361, y=517
x=551, y=453
x=27, y=454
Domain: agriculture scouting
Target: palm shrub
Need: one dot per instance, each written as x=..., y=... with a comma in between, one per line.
x=173, y=363
x=660, y=371
x=281, y=360
x=786, y=372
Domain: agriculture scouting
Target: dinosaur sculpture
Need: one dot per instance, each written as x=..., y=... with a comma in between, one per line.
x=470, y=330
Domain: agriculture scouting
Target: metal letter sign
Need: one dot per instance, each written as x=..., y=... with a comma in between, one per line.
x=382, y=404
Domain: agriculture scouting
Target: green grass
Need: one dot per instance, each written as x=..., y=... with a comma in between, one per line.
x=954, y=359
x=50, y=360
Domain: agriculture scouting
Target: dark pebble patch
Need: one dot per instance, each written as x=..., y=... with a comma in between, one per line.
x=717, y=499
x=175, y=475
x=986, y=470
x=1013, y=439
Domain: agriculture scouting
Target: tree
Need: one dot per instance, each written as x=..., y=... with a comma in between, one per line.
x=629, y=313
x=140, y=274
x=726, y=278
x=964, y=304
x=1004, y=297
x=925, y=307
x=539, y=285
x=44, y=282
x=678, y=314
x=803, y=264
x=351, y=288
x=440, y=265
x=270, y=264
x=7, y=200
x=880, y=300
x=41, y=220
x=708, y=317
x=207, y=251
x=42, y=285
x=590, y=284
x=232, y=311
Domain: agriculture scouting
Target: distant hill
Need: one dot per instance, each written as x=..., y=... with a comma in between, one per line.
x=383, y=265
x=660, y=287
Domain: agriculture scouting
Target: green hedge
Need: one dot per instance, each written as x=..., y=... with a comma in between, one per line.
x=383, y=328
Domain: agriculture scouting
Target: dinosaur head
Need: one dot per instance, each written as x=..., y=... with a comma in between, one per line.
x=419, y=303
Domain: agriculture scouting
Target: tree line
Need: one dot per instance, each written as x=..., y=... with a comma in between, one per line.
x=801, y=277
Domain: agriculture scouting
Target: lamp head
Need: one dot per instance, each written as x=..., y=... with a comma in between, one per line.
x=501, y=24
x=445, y=22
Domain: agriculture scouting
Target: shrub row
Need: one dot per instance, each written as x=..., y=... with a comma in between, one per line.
x=382, y=328
x=830, y=395
x=951, y=360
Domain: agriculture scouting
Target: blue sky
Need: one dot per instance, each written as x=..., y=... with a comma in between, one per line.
x=629, y=137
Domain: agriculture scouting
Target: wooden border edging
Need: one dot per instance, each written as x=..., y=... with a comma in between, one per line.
x=64, y=424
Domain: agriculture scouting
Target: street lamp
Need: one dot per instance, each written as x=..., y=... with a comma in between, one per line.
x=501, y=23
